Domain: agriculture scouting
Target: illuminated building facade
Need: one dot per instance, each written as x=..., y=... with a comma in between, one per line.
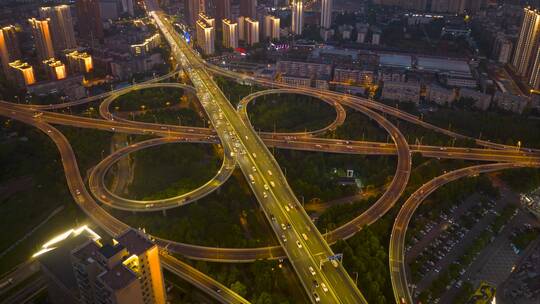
x=9, y=47
x=205, y=37
x=526, y=61
x=22, y=73
x=61, y=26
x=192, y=9
x=326, y=13
x=297, y=17
x=207, y=19
x=79, y=62
x=230, y=33
x=148, y=45
x=42, y=38
x=55, y=69
x=126, y=271
x=222, y=9
x=271, y=27
x=251, y=31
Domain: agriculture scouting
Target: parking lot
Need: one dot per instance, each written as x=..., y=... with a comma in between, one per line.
x=469, y=243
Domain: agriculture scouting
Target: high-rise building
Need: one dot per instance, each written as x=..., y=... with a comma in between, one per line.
x=89, y=19
x=230, y=33
x=251, y=31
x=192, y=9
x=126, y=271
x=271, y=27
x=248, y=8
x=297, y=17
x=207, y=19
x=526, y=56
x=42, y=38
x=127, y=7
x=205, y=37
x=55, y=69
x=222, y=9
x=79, y=62
x=242, y=28
x=9, y=47
x=61, y=26
x=22, y=73
x=326, y=13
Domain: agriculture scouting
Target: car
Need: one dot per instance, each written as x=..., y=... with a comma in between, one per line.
x=283, y=238
x=218, y=290
x=78, y=192
x=269, y=172
x=266, y=187
x=311, y=270
x=291, y=206
x=254, y=169
x=254, y=155
x=272, y=217
x=335, y=263
x=265, y=195
x=304, y=236
x=316, y=297
x=315, y=283
x=283, y=226
x=324, y=288
x=272, y=184
x=287, y=208
x=298, y=244
x=289, y=225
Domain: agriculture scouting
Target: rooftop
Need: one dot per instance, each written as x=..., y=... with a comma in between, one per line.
x=135, y=242
x=395, y=60
x=118, y=277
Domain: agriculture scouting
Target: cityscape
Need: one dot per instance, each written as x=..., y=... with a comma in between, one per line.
x=270, y=151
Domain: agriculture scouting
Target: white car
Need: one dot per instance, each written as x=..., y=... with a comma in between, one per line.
x=287, y=208
x=266, y=187
x=272, y=184
x=311, y=270
x=283, y=226
x=324, y=288
x=316, y=297
x=284, y=238
x=265, y=195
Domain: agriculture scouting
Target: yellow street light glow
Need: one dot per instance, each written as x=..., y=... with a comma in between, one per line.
x=63, y=236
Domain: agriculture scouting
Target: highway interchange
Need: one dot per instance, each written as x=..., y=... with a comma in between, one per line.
x=245, y=148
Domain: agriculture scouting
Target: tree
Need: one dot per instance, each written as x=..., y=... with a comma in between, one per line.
x=239, y=288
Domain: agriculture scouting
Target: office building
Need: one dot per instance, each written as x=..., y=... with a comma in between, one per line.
x=205, y=37
x=9, y=47
x=251, y=31
x=230, y=34
x=54, y=69
x=61, y=26
x=89, y=19
x=527, y=44
x=297, y=13
x=79, y=62
x=22, y=73
x=42, y=38
x=248, y=8
x=326, y=13
x=271, y=27
x=192, y=9
x=126, y=271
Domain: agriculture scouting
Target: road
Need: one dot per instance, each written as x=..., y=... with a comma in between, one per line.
x=98, y=188
x=305, y=247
